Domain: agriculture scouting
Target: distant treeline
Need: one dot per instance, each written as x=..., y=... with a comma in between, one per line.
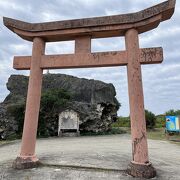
x=152, y=121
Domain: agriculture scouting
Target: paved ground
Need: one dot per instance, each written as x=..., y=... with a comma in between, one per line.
x=89, y=158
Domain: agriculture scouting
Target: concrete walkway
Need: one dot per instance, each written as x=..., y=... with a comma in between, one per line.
x=89, y=158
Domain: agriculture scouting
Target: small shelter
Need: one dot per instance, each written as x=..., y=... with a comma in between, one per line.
x=68, y=123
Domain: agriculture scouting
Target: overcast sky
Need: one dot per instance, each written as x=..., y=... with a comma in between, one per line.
x=161, y=82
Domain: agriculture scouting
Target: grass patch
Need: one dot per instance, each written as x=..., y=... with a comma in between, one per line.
x=156, y=134
x=159, y=134
x=4, y=142
x=112, y=131
x=122, y=122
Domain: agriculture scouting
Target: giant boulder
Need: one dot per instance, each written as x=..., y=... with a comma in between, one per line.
x=95, y=101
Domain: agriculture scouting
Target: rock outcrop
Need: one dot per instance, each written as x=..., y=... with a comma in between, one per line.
x=94, y=101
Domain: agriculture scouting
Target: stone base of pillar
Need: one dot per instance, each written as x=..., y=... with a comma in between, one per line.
x=141, y=170
x=25, y=162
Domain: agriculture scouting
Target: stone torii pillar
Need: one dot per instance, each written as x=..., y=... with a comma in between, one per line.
x=32, y=107
x=137, y=114
x=82, y=31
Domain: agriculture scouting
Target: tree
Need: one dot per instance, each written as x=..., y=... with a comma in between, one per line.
x=172, y=112
x=150, y=119
x=125, y=121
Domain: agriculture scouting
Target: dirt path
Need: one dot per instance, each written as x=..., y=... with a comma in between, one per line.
x=101, y=157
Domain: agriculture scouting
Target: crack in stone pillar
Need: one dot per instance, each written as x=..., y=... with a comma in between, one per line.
x=137, y=113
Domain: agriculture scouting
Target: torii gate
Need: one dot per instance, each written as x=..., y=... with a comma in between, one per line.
x=82, y=31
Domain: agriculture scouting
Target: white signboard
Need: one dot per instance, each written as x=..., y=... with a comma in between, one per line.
x=68, y=119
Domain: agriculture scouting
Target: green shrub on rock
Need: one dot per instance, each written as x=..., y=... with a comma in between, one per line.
x=51, y=102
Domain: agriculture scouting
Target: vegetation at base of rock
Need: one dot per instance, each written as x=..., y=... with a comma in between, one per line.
x=51, y=101
x=17, y=111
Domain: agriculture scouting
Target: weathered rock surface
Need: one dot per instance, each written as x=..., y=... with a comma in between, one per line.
x=95, y=101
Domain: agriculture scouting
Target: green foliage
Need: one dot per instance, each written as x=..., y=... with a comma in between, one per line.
x=122, y=122
x=110, y=132
x=150, y=119
x=125, y=121
x=160, y=121
x=172, y=112
x=17, y=111
x=156, y=134
x=51, y=102
x=53, y=99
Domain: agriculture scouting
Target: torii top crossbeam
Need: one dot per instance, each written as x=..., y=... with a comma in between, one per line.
x=92, y=28
x=108, y=26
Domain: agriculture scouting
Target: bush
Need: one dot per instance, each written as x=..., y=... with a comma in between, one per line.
x=172, y=112
x=122, y=122
x=160, y=121
x=125, y=121
x=150, y=119
x=51, y=102
x=17, y=111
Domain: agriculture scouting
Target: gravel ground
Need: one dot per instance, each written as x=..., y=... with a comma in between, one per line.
x=89, y=158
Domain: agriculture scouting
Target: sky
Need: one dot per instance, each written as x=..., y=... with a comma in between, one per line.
x=161, y=82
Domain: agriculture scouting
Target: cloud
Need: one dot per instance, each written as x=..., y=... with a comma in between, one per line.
x=160, y=81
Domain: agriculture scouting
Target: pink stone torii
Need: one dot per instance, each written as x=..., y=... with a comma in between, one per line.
x=82, y=31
